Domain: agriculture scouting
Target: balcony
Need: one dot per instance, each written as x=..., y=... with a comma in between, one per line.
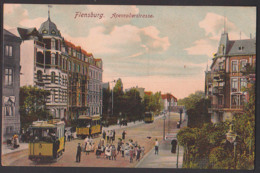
x=237, y=106
x=218, y=90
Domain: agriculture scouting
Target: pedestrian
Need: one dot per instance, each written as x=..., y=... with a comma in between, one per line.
x=113, y=152
x=156, y=147
x=98, y=151
x=174, y=143
x=108, y=152
x=122, y=148
x=123, y=135
x=88, y=148
x=78, y=153
x=108, y=136
x=119, y=145
x=104, y=134
x=114, y=136
x=131, y=154
x=138, y=153
x=142, y=149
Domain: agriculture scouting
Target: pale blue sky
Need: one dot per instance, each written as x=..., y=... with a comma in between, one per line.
x=167, y=53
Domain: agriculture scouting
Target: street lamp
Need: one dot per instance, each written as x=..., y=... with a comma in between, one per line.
x=113, y=97
x=164, y=117
x=181, y=111
x=231, y=137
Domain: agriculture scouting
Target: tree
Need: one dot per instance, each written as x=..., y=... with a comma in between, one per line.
x=32, y=105
x=196, y=106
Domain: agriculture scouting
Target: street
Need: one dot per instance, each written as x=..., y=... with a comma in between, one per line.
x=138, y=132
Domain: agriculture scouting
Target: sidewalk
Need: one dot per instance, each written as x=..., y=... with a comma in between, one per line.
x=165, y=159
x=8, y=150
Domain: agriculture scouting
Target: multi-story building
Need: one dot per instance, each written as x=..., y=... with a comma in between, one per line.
x=43, y=62
x=168, y=100
x=50, y=62
x=10, y=84
x=78, y=68
x=225, y=81
x=95, y=85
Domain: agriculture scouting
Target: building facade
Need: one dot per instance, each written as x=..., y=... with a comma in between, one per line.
x=72, y=75
x=226, y=81
x=168, y=100
x=10, y=85
x=95, y=85
x=43, y=62
x=78, y=68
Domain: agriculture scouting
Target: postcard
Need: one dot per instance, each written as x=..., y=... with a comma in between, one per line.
x=128, y=86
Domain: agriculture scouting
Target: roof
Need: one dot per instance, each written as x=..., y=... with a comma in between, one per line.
x=148, y=93
x=8, y=33
x=241, y=47
x=165, y=96
x=49, y=28
x=25, y=33
x=84, y=117
x=236, y=47
x=98, y=60
x=46, y=124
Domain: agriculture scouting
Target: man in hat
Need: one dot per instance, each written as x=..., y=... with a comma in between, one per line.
x=78, y=153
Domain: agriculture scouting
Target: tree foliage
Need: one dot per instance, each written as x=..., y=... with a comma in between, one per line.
x=32, y=105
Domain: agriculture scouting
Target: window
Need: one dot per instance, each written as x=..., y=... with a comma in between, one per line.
x=220, y=100
x=44, y=31
x=9, y=106
x=78, y=68
x=52, y=44
x=83, y=70
x=52, y=77
x=243, y=65
x=234, y=99
x=242, y=99
x=74, y=68
x=39, y=75
x=243, y=83
x=234, y=66
x=240, y=48
x=59, y=79
x=234, y=85
x=69, y=65
x=53, y=59
x=8, y=76
x=8, y=50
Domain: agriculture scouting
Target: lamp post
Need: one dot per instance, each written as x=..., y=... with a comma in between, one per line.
x=181, y=111
x=231, y=137
x=113, y=97
x=164, y=117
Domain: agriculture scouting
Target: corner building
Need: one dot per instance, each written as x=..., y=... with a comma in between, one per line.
x=225, y=82
x=52, y=63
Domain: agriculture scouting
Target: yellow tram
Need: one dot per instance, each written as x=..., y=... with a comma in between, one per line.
x=47, y=140
x=148, y=117
x=88, y=126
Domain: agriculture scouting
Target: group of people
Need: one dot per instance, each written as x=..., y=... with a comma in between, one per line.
x=109, y=135
x=111, y=150
x=14, y=141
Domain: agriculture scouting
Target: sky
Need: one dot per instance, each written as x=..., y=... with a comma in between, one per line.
x=169, y=52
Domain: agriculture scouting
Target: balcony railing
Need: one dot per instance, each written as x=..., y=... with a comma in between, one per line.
x=237, y=106
x=217, y=106
x=218, y=90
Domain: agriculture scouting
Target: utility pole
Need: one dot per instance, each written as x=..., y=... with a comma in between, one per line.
x=177, y=163
x=113, y=97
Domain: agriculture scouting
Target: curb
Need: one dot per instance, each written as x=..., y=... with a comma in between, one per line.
x=146, y=155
